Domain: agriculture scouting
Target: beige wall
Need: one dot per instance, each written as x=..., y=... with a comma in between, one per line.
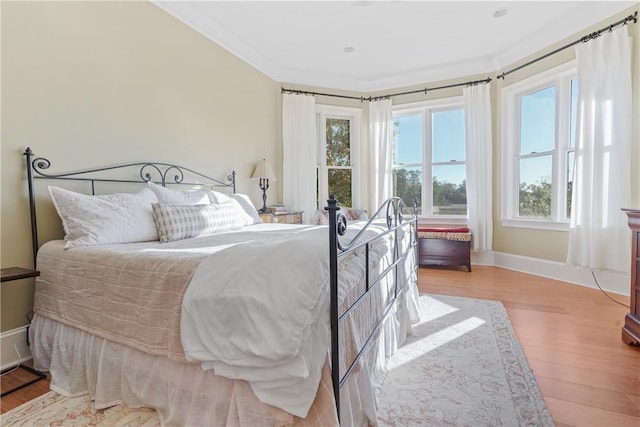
x=92, y=83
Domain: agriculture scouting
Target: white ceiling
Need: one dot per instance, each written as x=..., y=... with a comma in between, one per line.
x=395, y=43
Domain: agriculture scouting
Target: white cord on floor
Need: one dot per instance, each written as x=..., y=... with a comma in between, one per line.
x=15, y=347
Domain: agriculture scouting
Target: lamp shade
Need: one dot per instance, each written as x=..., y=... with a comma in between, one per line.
x=263, y=170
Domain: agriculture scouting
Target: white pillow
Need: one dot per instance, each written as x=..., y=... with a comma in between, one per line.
x=242, y=203
x=217, y=197
x=176, y=222
x=248, y=208
x=177, y=197
x=100, y=220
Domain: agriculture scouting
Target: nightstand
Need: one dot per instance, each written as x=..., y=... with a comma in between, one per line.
x=7, y=275
x=282, y=217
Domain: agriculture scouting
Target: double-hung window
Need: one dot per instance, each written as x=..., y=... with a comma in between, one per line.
x=539, y=131
x=339, y=155
x=430, y=158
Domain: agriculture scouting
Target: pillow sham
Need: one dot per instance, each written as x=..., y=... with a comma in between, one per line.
x=177, y=197
x=100, y=220
x=177, y=222
x=241, y=202
x=248, y=207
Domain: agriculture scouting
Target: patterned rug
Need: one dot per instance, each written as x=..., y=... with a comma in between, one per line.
x=53, y=409
x=462, y=367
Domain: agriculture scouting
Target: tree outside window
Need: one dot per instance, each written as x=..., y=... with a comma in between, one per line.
x=338, y=155
x=338, y=158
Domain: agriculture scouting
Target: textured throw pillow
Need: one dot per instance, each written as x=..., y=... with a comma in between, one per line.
x=176, y=222
x=100, y=220
x=177, y=197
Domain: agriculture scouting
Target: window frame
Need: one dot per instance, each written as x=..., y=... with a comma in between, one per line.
x=560, y=77
x=426, y=109
x=354, y=115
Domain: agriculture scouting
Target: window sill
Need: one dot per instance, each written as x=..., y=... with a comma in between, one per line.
x=537, y=224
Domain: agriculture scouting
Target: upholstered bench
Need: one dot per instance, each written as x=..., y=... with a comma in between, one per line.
x=444, y=246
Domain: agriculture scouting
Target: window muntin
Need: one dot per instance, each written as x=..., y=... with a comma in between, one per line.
x=430, y=158
x=539, y=121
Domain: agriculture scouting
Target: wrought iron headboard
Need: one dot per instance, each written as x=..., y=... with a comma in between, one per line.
x=161, y=173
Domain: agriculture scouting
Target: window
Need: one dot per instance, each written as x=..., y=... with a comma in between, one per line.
x=430, y=158
x=539, y=122
x=338, y=155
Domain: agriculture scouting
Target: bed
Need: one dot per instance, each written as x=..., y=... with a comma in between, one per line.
x=222, y=320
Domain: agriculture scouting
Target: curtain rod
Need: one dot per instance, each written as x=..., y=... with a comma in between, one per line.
x=378, y=98
x=583, y=39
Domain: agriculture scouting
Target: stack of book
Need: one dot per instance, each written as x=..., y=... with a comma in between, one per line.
x=277, y=209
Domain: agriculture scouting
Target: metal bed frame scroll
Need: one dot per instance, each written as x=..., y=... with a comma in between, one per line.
x=160, y=173
x=391, y=210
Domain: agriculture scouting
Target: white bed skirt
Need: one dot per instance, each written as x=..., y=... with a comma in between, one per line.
x=183, y=394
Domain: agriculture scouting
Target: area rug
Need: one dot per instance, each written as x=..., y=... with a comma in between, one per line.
x=461, y=367
x=53, y=409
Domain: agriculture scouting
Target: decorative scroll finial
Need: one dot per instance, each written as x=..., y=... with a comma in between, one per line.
x=341, y=220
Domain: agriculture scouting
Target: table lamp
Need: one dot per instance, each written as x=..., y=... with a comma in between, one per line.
x=264, y=173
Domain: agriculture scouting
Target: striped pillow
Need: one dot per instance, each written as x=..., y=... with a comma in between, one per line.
x=176, y=222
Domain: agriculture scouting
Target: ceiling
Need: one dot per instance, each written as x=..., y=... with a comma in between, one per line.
x=393, y=43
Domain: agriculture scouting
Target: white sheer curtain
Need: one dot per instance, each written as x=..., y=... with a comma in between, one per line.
x=477, y=127
x=299, y=154
x=598, y=235
x=381, y=136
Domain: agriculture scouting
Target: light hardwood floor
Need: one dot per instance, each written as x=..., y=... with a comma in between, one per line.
x=571, y=337
x=570, y=334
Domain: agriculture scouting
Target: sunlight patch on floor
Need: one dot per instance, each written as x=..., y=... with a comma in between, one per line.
x=413, y=350
x=436, y=309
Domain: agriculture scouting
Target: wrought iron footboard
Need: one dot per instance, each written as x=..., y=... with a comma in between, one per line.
x=393, y=210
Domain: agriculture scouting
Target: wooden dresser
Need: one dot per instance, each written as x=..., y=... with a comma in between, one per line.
x=631, y=328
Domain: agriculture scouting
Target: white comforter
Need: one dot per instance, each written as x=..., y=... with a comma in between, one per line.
x=259, y=311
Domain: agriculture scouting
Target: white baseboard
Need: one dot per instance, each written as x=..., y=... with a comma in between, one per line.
x=13, y=347
x=609, y=281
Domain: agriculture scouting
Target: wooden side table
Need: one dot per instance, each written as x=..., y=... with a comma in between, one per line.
x=7, y=275
x=282, y=217
x=15, y=273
